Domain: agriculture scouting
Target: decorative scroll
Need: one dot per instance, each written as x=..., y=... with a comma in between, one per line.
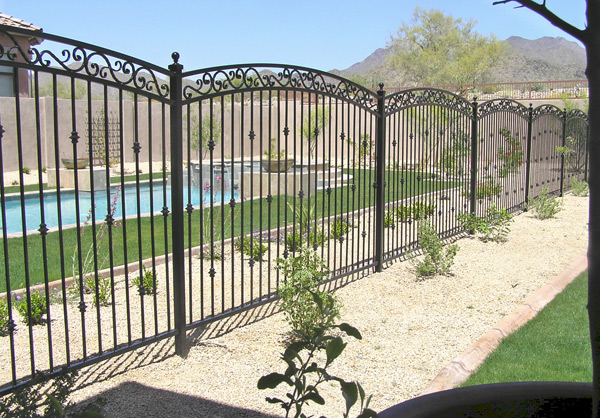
x=98, y=65
x=227, y=80
x=577, y=114
x=502, y=105
x=419, y=97
x=547, y=110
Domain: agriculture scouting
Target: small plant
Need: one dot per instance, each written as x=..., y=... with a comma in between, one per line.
x=492, y=227
x=389, y=218
x=579, y=188
x=511, y=154
x=37, y=307
x=545, y=206
x=44, y=169
x=101, y=298
x=14, y=183
x=438, y=259
x=403, y=212
x=252, y=248
x=44, y=397
x=307, y=365
x=146, y=283
x=485, y=190
x=306, y=232
x=340, y=227
x=26, y=170
x=272, y=154
x=303, y=273
x=421, y=210
x=4, y=317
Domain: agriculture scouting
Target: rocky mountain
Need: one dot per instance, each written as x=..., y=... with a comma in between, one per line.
x=545, y=58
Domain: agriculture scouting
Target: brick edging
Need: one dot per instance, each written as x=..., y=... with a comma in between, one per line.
x=459, y=369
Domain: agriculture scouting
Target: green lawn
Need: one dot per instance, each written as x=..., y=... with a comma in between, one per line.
x=247, y=217
x=553, y=346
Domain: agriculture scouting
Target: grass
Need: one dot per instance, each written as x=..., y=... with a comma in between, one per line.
x=553, y=346
x=149, y=232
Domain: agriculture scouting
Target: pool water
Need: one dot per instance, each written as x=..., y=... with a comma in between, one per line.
x=150, y=201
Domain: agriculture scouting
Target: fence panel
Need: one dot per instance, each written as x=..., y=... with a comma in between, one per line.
x=546, y=136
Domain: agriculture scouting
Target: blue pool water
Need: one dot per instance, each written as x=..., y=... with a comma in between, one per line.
x=68, y=209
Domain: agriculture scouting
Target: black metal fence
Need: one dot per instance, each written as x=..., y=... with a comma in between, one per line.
x=207, y=177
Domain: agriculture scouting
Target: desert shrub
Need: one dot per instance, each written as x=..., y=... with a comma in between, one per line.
x=145, y=283
x=100, y=298
x=303, y=274
x=4, y=317
x=421, y=210
x=485, y=190
x=494, y=226
x=253, y=248
x=545, y=206
x=38, y=308
x=339, y=228
x=307, y=361
x=438, y=258
x=579, y=188
x=389, y=218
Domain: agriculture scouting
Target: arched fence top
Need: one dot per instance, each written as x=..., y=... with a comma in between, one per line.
x=577, y=114
x=502, y=105
x=547, y=109
x=423, y=96
x=84, y=61
x=230, y=79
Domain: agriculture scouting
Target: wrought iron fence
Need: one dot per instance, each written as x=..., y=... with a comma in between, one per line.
x=218, y=173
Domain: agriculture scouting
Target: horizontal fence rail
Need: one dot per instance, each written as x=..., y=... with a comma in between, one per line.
x=140, y=202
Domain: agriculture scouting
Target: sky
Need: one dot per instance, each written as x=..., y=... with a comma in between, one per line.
x=320, y=34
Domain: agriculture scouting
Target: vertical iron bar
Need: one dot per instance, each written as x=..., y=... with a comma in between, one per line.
x=177, y=204
x=474, y=127
x=528, y=158
x=380, y=178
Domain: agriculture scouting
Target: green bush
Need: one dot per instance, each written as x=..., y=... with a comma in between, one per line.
x=4, y=317
x=484, y=190
x=339, y=228
x=579, y=188
x=38, y=308
x=438, y=258
x=146, y=284
x=494, y=226
x=545, y=206
x=303, y=274
x=102, y=298
x=252, y=248
x=421, y=210
x=388, y=218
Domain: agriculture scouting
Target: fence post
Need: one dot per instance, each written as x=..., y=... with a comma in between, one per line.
x=473, y=156
x=528, y=158
x=562, y=154
x=380, y=179
x=177, y=231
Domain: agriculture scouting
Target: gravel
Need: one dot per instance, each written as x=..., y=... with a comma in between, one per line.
x=411, y=329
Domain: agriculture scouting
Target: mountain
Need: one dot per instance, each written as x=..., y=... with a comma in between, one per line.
x=541, y=59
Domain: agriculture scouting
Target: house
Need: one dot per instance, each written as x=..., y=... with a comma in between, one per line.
x=8, y=75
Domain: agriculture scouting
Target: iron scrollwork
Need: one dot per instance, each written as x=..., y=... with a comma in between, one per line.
x=225, y=80
x=419, y=97
x=502, y=105
x=76, y=59
x=547, y=110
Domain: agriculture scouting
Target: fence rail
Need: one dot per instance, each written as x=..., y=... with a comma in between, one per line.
x=198, y=185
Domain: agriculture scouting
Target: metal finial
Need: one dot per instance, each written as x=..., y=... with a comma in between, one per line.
x=175, y=56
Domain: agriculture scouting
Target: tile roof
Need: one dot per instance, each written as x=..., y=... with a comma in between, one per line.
x=20, y=23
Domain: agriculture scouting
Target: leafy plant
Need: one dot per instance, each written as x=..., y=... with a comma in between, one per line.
x=26, y=170
x=4, y=317
x=579, y=188
x=303, y=274
x=146, y=283
x=454, y=159
x=485, y=190
x=45, y=396
x=306, y=233
x=37, y=306
x=389, y=218
x=421, y=210
x=253, y=248
x=438, y=258
x=307, y=365
x=340, y=227
x=272, y=154
x=494, y=226
x=545, y=206
x=510, y=154
x=313, y=125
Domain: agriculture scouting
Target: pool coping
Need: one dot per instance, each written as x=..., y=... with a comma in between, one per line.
x=459, y=369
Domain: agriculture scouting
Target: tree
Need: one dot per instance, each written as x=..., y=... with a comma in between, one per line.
x=437, y=49
x=590, y=37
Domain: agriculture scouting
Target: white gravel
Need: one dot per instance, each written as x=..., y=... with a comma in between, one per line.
x=410, y=328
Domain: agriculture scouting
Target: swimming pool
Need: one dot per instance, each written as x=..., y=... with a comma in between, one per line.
x=151, y=201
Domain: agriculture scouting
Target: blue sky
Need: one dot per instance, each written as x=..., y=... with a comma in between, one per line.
x=323, y=34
